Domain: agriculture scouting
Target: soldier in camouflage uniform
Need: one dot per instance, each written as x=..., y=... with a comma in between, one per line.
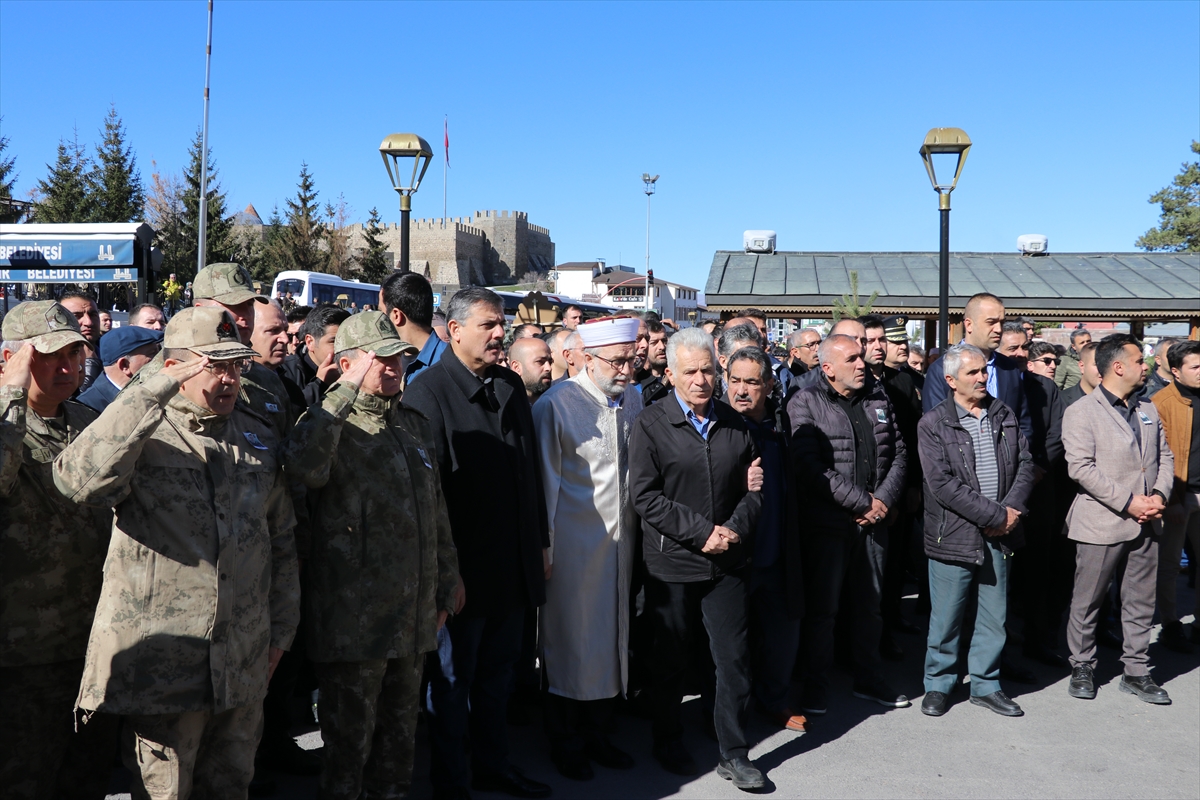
x=201, y=585
x=383, y=575
x=51, y=561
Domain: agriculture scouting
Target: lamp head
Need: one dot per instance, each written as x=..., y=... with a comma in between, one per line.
x=945, y=141
x=400, y=146
x=649, y=182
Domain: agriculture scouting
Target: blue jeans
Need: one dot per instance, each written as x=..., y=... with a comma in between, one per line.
x=950, y=589
x=484, y=650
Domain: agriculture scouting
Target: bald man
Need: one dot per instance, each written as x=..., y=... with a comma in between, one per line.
x=531, y=359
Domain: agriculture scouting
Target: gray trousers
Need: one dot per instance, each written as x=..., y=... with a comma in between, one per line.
x=1180, y=521
x=1134, y=565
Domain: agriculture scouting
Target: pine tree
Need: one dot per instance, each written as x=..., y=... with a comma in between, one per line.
x=8, y=178
x=64, y=195
x=301, y=239
x=274, y=258
x=116, y=183
x=373, y=262
x=1179, y=226
x=219, y=224
x=849, y=306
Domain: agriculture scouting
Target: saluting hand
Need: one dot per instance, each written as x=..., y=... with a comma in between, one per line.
x=186, y=370
x=18, y=372
x=358, y=370
x=754, y=475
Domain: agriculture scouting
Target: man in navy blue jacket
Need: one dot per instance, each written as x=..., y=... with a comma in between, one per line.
x=983, y=322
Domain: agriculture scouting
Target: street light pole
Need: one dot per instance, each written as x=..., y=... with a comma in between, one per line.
x=650, y=182
x=944, y=141
x=399, y=147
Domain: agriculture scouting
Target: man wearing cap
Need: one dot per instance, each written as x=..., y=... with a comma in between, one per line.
x=123, y=352
x=383, y=573
x=583, y=426
x=201, y=583
x=51, y=562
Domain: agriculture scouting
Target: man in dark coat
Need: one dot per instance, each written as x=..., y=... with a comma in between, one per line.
x=978, y=475
x=488, y=461
x=689, y=462
x=312, y=369
x=850, y=464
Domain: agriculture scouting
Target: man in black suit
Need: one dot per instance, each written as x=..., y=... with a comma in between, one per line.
x=983, y=321
x=488, y=460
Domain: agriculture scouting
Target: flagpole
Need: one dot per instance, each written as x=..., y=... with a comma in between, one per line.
x=202, y=239
x=445, y=163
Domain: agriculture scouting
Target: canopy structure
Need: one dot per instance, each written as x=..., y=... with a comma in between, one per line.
x=1134, y=287
x=75, y=253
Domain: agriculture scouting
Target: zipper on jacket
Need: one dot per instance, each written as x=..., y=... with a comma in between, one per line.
x=712, y=512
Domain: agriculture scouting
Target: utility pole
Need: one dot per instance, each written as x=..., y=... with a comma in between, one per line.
x=649, y=275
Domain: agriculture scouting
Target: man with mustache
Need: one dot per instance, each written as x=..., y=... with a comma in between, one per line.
x=583, y=427
x=201, y=584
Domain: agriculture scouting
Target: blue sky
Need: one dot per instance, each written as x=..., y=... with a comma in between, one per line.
x=801, y=117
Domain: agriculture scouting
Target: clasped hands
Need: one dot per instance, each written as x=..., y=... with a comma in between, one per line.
x=1145, y=507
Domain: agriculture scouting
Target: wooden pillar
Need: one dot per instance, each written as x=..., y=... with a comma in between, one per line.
x=1194, y=332
x=956, y=330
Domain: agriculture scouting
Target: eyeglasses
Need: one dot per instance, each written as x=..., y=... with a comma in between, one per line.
x=811, y=345
x=619, y=364
x=228, y=369
x=1048, y=361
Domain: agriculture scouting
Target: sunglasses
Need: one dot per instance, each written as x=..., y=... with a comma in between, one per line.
x=1048, y=361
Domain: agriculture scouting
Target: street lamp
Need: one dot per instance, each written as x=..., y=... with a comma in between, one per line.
x=646, y=179
x=399, y=147
x=941, y=142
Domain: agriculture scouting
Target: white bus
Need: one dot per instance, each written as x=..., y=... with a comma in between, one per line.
x=312, y=288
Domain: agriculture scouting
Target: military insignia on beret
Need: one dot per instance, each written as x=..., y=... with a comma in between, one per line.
x=385, y=326
x=225, y=328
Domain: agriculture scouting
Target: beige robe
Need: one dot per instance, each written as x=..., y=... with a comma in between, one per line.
x=582, y=444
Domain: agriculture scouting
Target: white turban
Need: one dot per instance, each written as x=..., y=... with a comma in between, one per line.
x=601, y=332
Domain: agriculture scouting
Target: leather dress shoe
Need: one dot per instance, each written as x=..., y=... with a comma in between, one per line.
x=675, y=758
x=935, y=704
x=606, y=754
x=1011, y=671
x=1083, y=683
x=743, y=774
x=999, y=702
x=573, y=765
x=1043, y=655
x=511, y=782
x=879, y=692
x=1145, y=689
x=789, y=721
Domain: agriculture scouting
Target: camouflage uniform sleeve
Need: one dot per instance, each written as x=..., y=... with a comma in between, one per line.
x=13, y=404
x=285, y=567
x=96, y=468
x=311, y=449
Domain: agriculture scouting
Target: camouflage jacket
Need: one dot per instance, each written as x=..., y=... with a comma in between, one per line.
x=201, y=574
x=52, y=551
x=383, y=560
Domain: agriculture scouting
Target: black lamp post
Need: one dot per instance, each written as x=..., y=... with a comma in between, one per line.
x=944, y=141
x=397, y=149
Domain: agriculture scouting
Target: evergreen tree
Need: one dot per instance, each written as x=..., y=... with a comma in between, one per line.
x=219, y=224
x=373, y=262
x=8, y=177
x=849, y=305
x=301, y=239
x=64, y=195
x=116, y=183
x=1179, y=226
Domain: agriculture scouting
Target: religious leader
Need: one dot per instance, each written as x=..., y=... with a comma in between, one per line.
x=583, y=426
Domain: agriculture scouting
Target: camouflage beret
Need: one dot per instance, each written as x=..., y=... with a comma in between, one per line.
x=45, y=324
x=371, y=330
x=227, y=283
x=206, y=331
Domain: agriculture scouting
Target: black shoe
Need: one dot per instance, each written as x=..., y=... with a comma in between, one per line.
x=286, y=756
x=512, y=782
x=606, y=754
x=675, y=758
x=1106, y=638
x=744, y=775
x=879, y=692
x=1016, y=673
x=1173, y=638
x=573, y=765
x=1044, y=655
x=999, y=702
x=889, y=649
x=935, y=704
x=1083, y=683
x=1145, y=689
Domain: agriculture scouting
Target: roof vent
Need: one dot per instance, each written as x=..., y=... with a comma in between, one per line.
x=759, y=241
x=1033, y=244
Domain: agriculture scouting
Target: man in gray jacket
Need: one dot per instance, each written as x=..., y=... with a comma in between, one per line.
x=1118, y=454
x=978, y=476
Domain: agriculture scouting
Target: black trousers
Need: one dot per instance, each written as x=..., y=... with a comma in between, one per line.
x=679, y=612
x=573, y=725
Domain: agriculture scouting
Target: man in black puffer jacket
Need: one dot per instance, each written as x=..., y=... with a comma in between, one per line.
x=978, y=476
x=850, y=463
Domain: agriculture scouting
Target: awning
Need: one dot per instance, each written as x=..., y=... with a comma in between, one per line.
x=73, y=253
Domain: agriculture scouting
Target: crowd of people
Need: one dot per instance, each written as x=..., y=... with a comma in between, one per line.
x=425, y=515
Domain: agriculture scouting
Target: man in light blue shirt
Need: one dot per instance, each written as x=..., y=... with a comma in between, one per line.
x=407, y=300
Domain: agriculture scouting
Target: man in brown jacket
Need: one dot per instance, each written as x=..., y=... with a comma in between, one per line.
x=1176, y=405
x=1117, y=453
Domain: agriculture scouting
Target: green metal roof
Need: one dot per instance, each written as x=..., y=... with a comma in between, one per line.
x=1142, y=285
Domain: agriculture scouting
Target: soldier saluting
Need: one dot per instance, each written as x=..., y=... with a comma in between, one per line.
x=201, y=586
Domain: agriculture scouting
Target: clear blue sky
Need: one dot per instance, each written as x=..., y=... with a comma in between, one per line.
x=802, y=117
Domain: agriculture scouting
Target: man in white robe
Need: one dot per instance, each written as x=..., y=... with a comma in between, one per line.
x=583, y=426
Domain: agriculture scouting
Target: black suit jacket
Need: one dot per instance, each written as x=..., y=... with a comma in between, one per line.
x=1009, y=389
x=97, y=396
x=491, y=479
